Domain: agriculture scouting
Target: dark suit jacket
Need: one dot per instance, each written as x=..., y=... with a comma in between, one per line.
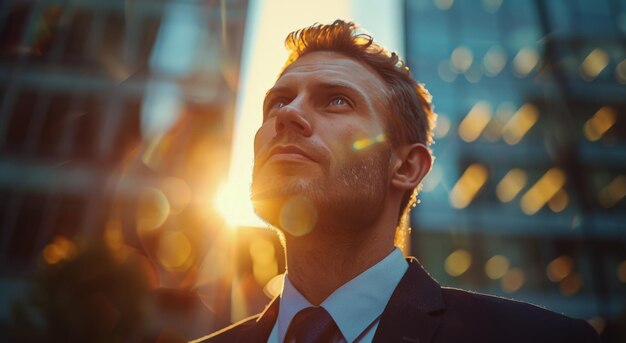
x=421, y=311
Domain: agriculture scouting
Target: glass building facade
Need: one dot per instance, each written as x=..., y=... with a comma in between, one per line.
x=526, y=199
x=115, y=130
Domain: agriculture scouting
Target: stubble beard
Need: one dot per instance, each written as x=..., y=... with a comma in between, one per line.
x=347, y=198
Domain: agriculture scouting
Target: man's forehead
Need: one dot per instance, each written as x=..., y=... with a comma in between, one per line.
x=330, y=64
x=327, y=61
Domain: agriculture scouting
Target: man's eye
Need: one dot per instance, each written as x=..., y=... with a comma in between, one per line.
x=279, y=104
x=338, y=101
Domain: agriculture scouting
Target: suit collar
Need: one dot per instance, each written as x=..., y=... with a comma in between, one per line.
x=413, y=312
x=268, y=317
x=257, y=330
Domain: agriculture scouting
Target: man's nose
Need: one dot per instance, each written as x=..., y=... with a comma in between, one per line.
x=293, y=116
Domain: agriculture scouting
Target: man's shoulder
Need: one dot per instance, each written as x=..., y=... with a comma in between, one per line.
x=230, y=333
x=493, y=315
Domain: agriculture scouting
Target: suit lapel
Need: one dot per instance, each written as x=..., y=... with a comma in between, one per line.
x=258, y=331
x=414, y=310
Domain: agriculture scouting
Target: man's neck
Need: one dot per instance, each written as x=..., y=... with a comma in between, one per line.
x=318, y=264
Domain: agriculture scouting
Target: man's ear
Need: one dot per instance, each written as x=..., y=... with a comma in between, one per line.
x=411, y=166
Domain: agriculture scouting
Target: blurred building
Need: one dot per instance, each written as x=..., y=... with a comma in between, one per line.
x=115, y=131
x=526, y=199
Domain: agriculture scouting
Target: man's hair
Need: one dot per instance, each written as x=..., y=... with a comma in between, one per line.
x=411, y=118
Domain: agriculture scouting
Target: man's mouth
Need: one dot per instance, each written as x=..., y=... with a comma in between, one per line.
x=289, y=153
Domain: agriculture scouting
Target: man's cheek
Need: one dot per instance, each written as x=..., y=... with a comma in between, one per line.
x=261, y=138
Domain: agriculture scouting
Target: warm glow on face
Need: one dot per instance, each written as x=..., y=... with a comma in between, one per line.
x=267, y=24
x=298, y=216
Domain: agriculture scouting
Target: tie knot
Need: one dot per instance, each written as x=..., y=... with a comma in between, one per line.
x=312, y=325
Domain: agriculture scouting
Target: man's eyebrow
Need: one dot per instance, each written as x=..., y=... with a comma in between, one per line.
x=275, y=89
x=339, y=85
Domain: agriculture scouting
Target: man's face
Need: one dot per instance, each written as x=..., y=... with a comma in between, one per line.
x=321, y=155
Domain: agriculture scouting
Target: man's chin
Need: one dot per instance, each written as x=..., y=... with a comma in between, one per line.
x=295, y=215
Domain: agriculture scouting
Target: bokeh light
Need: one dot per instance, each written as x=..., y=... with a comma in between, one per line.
x=458, y=262
x=612, y=193
x=571, y=284
x=494, y=60
x=497, y=266
x=153, y=208
x=462, y=59
x=520, y=123
x=542, y=191
x=512, y=280
x=511, y=184
x=594, y=64
x=443, y=4
x=620, y=71
x=468, y=185
x=175, y=251
x=559, y=201
x=525, y=61
x=559, y=268
x=364, y=143
x=298, y=216
x=599, y=123
x=58, y=250
x=475, y=121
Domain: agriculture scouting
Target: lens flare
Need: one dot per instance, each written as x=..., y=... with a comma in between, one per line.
x=298, y=216
x=365, y=143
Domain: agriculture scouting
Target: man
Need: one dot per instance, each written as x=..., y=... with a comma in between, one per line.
x=341, y=152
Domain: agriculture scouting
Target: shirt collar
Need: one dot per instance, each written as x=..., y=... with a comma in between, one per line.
x=353, y=306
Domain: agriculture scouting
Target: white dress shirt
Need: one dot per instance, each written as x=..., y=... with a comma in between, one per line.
x=356, y=306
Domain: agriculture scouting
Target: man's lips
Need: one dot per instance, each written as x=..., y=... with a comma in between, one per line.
x=289, y=152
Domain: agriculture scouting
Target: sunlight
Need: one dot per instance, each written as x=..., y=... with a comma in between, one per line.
x=226, y=202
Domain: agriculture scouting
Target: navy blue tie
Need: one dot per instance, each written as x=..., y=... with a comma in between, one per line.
x=312, y=325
